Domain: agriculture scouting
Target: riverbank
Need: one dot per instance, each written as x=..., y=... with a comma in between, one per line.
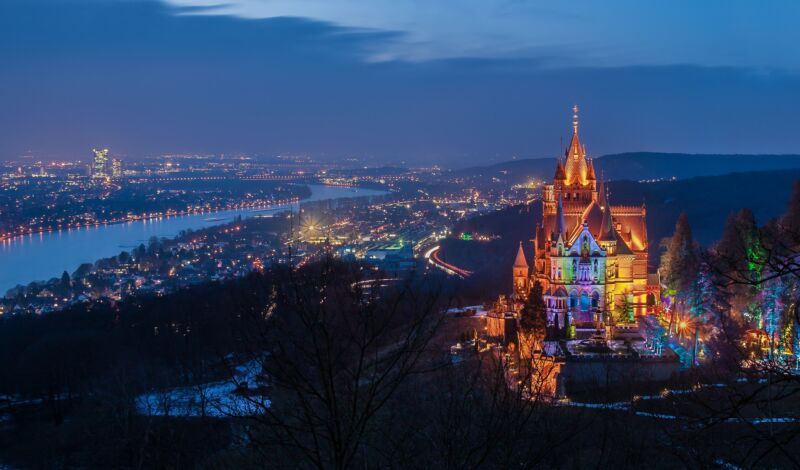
x=42, y=256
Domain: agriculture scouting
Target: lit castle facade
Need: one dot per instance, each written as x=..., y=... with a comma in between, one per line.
x=589, y=256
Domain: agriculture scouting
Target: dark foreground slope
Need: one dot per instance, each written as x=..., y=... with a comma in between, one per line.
x=354, y=379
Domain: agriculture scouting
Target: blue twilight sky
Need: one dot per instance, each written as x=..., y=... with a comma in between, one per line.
x=417, y=81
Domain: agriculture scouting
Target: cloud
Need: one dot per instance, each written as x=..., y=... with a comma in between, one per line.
x=146, y=77
x=585, y=32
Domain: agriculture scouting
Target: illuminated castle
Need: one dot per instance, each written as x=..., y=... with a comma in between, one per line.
x=589, y=256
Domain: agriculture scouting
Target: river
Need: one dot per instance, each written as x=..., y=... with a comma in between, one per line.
x=43, y=256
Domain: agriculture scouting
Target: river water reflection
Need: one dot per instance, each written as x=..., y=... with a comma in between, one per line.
x=46, y=255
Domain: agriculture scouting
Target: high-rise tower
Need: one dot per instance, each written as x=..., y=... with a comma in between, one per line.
x=100, y=163
x=116, y=168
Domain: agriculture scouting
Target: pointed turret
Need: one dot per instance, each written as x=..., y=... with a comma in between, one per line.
x=607, y=232
x=590, y=170
x=520, y=273
x=520, y=262
x=602, y=199
x=576, y=167
x=560, y=225
x=560, y=174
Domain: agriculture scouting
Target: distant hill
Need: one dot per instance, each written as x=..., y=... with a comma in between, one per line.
x=642, y=166
x=707, y=201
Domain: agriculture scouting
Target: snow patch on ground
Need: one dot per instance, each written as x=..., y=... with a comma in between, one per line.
x=226, y=398
x=478, y=309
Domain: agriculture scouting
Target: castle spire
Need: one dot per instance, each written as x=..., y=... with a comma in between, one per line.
x=560, y=230
x=575, y=167
x=602, y=199
x=520, y=262
x=560, y=175
x=607, y=232
x=575, y=119
x=590, y=175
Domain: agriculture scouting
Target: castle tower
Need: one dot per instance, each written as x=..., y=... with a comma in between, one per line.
x=520, y=273
x=579, y=175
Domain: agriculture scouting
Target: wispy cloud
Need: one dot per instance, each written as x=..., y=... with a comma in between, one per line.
x=586, y=33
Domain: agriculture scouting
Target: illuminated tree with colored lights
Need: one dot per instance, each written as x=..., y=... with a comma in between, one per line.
x=739, y=258
x=679, y=265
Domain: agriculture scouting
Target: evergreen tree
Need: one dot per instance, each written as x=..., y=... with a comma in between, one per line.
x=679, y=263
x=740, y=249
x=739, y=260
x=533, y=319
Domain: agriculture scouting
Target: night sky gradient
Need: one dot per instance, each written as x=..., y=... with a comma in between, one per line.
x=414, y=82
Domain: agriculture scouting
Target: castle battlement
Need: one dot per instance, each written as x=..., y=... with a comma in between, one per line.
x=626, y=210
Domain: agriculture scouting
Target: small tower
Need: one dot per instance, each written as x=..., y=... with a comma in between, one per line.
x=520, y=274
x=607, y=237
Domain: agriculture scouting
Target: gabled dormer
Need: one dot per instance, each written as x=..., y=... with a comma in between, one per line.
x=583, y=244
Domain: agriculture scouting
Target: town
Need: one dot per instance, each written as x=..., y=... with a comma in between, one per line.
x=408, y=212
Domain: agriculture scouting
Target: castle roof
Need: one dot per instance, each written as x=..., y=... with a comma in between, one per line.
x=560, y=228
x=593, y=216
x=560, y=175
x=589, y=168
x=576, y=167
x=632, y=220
x=607, y=231
x=520, y=262
x=602, y=199
x=623, y=248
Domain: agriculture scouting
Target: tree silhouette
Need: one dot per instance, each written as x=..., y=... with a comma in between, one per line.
x=533, y=319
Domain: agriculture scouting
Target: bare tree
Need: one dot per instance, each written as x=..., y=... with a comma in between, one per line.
x=336, y=348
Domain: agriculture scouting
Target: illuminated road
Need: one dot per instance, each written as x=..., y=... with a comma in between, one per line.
x=433, y=257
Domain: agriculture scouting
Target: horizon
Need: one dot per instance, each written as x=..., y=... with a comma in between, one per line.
x=372, y=164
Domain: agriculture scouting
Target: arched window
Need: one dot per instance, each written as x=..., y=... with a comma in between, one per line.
x=595, y=300
x=584, y=302
x=573, y=299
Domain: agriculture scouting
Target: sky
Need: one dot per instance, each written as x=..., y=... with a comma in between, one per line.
x=408, y=82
